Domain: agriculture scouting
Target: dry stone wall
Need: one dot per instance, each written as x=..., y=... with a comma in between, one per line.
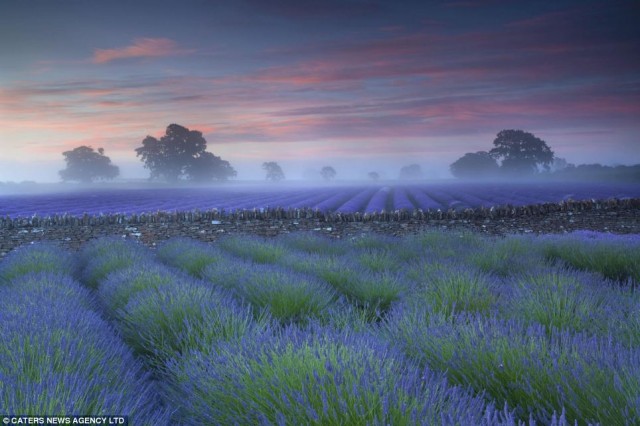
x=615, y=215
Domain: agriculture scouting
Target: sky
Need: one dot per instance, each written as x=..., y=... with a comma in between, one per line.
x=360, y=85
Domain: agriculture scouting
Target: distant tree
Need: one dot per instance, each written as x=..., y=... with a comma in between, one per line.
x=86, y=165
x=274, y=171
x=412, y=171
x=559, y=164
x=521, y=152
x=328, y=173
x=182, y=153
x=374, y=176
x=474, y=165
x=600, y=173
x=207, y=167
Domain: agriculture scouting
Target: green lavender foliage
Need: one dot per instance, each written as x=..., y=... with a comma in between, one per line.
x=257, y=250
x=57, y=355
x=313, y=244
x=38, y=257
x=507, y=256
x=102, y=256
x=456, y=289
x=548, y=327
x=373, y=292
x=617, y=259
x=315, y=377
x=593, y=380
x=188, y=255
x=288, y=296
x=163, y=322
x=560, y=299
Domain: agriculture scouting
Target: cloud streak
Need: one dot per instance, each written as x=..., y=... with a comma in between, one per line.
x=290, y=83
x=141, y=48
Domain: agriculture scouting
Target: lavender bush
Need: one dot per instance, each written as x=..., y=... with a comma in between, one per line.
x=379, y=260
x=561, y=299
x=57, y=360
x=313, y=243
x=119, y=286
x=593, y=380
x=39, y=257
x=438, y=244
x=456, y=289
x=371, y=291
x=258, y=250
x=102, y=256
x=615, y=258
x=187, y=254
x=319, y=377
x=367, y=328
x=161, y=323
x=507, y=256
x=288, y=296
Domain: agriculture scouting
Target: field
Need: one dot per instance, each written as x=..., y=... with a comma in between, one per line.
x=112, y=199
x=450, y=328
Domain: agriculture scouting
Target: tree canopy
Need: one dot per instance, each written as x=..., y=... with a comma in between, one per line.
x=475, y=165
x=521, y=152
x=182, y=153
x=208, y=167
x=412, y=171
x=86, y=165
x=274, y=171
x=328, y=173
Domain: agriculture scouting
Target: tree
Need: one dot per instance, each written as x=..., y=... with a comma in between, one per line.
x=475, y=165
x=274, y=171
x=86, y=165
x=521, y=152
x=560, y=164
x=182, y=153
x=207, y=167
x=328, y=173
x=412, y=171
x=374, y=176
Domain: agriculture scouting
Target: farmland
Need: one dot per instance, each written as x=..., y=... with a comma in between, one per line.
x=434, y=328
x=342, y=199
x=327, y=323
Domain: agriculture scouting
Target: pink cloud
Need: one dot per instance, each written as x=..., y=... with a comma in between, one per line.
x=141, y=48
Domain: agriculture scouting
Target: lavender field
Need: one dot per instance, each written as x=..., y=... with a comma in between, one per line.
x=440, y=328
x=346, y=199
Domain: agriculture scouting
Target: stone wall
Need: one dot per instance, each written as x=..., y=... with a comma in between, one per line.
x=616, y=216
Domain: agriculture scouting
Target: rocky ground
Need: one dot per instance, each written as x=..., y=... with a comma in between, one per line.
x=612, y=216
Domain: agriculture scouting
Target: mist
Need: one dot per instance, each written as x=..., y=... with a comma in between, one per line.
x=46, y=172
x=42, y=176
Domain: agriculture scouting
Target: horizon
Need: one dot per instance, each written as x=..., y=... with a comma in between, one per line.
x=360, y=86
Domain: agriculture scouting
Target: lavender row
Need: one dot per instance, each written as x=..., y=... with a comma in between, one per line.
x=134, y=201
x=358, y=202
x=54, y=360
x=296, y=375
x=439, y=328
x=379, y=201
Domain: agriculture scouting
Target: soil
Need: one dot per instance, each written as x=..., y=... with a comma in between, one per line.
x=613, y=216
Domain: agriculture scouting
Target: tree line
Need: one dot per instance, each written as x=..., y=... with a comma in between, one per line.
x=181, y=154
x=520, y=154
